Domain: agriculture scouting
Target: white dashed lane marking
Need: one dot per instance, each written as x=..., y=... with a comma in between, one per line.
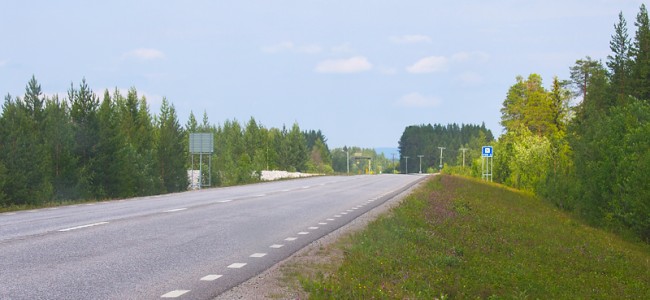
x=224, y=201
x=237, y=266
x=210, y=277
x=303, y=232
x=337, y=216
x=83, y=226
x=330, y=219
x=291, y=239
x=322, y=223
x=312, y=228
x=176, y=209
x=276, y=246
x=258, y=255
x=174, y=294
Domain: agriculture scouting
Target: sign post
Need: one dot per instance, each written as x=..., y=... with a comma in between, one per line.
x=487, y=152
x=201, y=143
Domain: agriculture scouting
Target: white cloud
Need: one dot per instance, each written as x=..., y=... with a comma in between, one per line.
x=417, y=100
x=351, y=65
x=429, y=65
x=291, y=47
x=411, y=39
x=144, y=54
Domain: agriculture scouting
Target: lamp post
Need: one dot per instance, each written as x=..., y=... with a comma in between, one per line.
x=463, y=149
x=441, y=148
x=407, y=164
x=347, y=154
x=420, y=156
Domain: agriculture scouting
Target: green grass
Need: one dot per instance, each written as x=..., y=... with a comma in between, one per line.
x=461, y=238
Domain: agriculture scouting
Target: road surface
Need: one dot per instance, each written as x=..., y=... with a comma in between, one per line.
x=192, y=245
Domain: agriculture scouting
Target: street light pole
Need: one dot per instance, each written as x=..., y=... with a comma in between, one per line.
x=407, y=164
x=463, y=149
x=347, y=155
x=441, y=148
x=420, y=156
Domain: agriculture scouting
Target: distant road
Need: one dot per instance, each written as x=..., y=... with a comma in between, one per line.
x=192, y=245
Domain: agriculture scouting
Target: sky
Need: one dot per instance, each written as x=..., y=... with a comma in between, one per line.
x=360, y=71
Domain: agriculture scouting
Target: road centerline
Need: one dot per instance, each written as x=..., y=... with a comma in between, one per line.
x=82, y=226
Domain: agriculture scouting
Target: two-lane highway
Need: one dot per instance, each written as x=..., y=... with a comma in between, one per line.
x=192, y=245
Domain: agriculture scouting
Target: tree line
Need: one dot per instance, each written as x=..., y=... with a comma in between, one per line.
x=591, y=158
x=360, y=161
x=426, y=140
x=85, y=147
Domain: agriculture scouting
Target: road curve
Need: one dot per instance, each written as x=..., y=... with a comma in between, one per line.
x=192, y=245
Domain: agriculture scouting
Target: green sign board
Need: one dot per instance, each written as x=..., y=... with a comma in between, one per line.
x=201, y=143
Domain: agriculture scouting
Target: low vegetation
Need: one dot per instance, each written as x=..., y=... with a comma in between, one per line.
x=461, y=238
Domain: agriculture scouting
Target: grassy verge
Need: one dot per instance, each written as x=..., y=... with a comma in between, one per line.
x=460, y=238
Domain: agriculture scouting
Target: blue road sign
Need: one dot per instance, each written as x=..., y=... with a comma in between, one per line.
x=487, y=151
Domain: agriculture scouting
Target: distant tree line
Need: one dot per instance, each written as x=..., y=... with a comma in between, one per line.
x=592, y=158
x=360, y=160
x=425, y=140
x=243, y=151
x=86, y=147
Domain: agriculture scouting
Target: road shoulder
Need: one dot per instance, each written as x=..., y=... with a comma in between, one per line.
x=281, y=281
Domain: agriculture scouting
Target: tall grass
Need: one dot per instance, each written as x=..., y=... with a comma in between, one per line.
x=461, y=238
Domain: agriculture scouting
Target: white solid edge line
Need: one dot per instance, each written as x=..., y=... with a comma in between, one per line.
x=82, y=226
x=174, y=294
x=176, y=209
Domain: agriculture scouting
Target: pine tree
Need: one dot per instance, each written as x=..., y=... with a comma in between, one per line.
x=170, y=150
x=619, y=62
x=59, y=142
x=641, y=56
x=84, y=118
x=298, y=153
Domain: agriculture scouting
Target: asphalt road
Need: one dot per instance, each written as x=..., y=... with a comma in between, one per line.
x=192, y=245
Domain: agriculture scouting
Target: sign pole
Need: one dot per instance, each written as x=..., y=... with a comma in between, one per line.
x=487, y=152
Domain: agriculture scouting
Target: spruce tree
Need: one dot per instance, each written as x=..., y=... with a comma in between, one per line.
x=618, y=62
x=641, y=56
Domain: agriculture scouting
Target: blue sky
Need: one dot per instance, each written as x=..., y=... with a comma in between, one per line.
x=361, y=71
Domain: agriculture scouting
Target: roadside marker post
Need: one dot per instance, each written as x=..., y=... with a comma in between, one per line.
x=487, y=152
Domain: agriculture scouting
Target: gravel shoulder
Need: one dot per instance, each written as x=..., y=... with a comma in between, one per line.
x=281, y=280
